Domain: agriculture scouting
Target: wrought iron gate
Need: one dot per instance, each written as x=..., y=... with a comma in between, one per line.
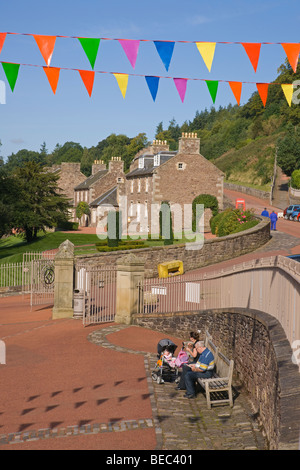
x=95, y=288
x=42, y=281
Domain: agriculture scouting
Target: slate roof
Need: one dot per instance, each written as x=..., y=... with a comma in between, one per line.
x=86, y=184
x=110, y=197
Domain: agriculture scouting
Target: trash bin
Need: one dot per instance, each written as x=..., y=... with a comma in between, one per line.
x=78, y=304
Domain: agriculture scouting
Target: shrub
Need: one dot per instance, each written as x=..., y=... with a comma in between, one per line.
x=209, y=202
x=232, y=221
x=295, y=179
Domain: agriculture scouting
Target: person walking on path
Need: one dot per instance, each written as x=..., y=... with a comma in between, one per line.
x=273, y=217
x=265, y=213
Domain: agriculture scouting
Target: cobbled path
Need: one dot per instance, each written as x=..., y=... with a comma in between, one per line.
x=183, y=424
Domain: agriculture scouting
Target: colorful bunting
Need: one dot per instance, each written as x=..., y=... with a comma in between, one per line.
x=90, y=47
x=152, y=83
x=130, y=47
x=165, y=51
x=53, y=76
x=181, y=84
x=207, y=51
x=253, y=51
x=2, y=39
x=236, y=88
x=212, y=86
x=122, y=79
x=263, y=91
x=292, y=52
x=11, y=71
x=288, y=91
x=46, y=46
x=87, y=77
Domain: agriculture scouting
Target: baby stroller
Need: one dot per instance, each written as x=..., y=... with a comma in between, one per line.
x=163, y=369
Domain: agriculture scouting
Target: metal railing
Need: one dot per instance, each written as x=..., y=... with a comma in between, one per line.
x=271, y=285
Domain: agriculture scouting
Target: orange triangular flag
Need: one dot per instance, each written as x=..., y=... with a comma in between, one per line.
x=236, y=88
x=53, y=76
x=46, y=46
x=263, y=91
x=2, y=39
x=253, y=51
x=88, y=79
x=292, y=52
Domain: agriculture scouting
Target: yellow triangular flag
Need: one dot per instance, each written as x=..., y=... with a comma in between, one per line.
x=207, y=51
x=122, y=79
x=288, y=91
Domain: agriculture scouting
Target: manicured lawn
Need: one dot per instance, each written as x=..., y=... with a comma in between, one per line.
x=12, y=248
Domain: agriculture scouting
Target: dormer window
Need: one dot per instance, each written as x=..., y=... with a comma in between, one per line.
x=141, y=162
x=156, y=160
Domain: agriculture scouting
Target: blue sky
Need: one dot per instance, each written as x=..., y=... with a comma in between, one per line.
x=32, y=114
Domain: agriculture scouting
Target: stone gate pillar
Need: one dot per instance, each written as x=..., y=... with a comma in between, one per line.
x=64, y=279
x=130, y=270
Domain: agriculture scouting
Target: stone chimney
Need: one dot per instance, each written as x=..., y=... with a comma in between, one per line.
x=189, y=143
x=159, y=146
x=116, y=165
x=98, y=165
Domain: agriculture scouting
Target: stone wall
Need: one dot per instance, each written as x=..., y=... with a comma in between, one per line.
x=262, y=362
x=214, y=251
x=245, y=189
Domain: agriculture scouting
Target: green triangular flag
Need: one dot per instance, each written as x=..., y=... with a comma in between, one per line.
x=213, y=88
x=90, y=47
x=11, y=71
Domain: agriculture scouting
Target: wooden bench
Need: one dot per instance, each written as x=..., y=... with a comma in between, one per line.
x=221, y=380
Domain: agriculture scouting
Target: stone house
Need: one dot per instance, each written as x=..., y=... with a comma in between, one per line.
x=95, y=189
x=157, y=174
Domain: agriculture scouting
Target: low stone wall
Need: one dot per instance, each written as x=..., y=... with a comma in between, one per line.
x=262, y=361
x=246, y=190
x=213, y=251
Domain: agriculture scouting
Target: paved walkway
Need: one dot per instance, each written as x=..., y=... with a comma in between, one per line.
x=69, y=387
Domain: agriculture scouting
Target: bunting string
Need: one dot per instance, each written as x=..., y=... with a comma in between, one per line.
x=11, y=71
x=165, y=49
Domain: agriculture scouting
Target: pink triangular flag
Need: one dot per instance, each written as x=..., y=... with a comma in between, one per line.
x=131, y=47
x=181, y=84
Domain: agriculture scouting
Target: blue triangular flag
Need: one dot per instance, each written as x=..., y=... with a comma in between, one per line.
x=165, y=50
x=152, y=83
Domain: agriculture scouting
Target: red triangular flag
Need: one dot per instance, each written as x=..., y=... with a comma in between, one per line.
x=253, y=51
x=236, y=88
x=292, y=52
x=46, y=46
x=53, y=76
x=2, y=39
x=88, y=79
x=263, y=91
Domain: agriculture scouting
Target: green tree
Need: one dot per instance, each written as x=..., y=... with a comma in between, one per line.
x=288, y=150
x=8, y=196
x=39, y=204
x=81, y=209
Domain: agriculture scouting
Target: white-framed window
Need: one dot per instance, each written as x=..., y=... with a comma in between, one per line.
x=131, y=209
x=180, y=166
x=141, y=162
x=156, y=160
x=138, y=211
x=139, y=186
x=131, y=186
x=146, y=185
x=146, y=209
